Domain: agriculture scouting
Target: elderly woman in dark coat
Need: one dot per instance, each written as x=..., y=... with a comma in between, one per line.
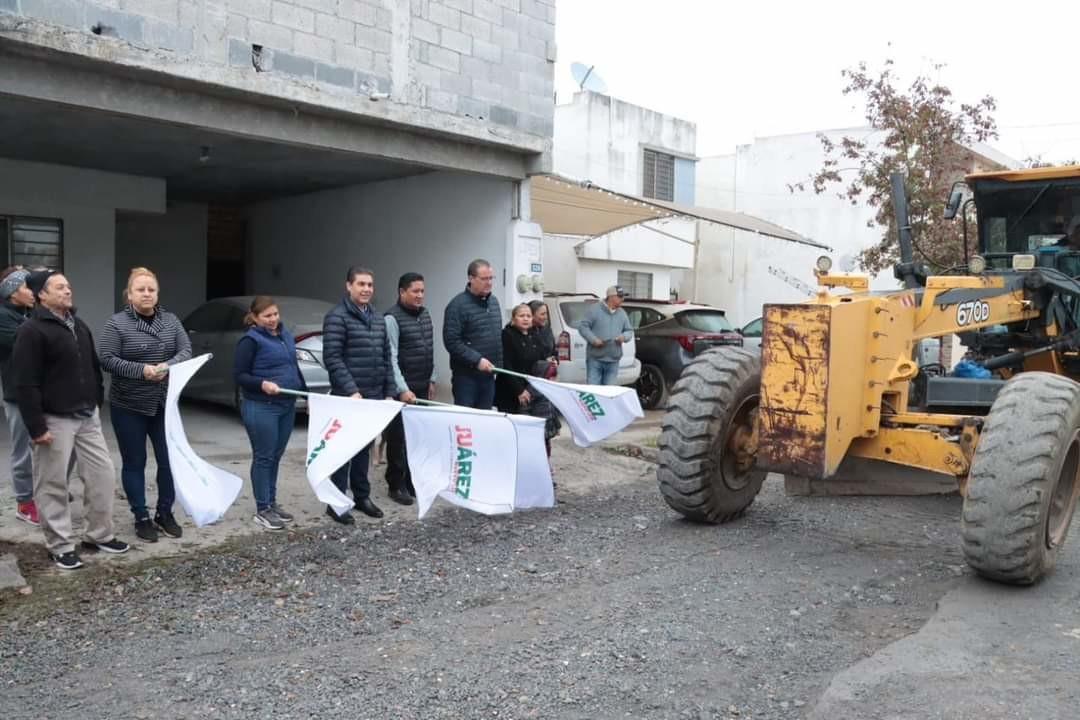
x=522, y=353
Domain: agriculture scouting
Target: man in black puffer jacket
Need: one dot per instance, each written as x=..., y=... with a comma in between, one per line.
x=356, y=353
x=472, y=333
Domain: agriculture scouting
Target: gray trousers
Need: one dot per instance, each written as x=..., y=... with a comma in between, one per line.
x=82, y=436
x=22, y=462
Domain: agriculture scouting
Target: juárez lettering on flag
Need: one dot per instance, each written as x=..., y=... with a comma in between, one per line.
x=205, y=492
x=338, y=428
x=593, y=412
x=485, y=461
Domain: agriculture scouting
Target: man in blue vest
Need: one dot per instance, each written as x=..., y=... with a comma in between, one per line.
x=357, y=357
x=412, y=355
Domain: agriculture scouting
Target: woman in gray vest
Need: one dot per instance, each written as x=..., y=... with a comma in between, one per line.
x=137, y=346
x=412, y=354
x=265, y=365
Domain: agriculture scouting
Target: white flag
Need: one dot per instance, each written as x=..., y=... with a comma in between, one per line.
x=338, y=428
x=481, y=460
x=593, y=412
x=204, y=491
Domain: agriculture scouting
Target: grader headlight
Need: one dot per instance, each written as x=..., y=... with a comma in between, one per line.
x=976, y=265
x=823, y=265
x=1023, y=262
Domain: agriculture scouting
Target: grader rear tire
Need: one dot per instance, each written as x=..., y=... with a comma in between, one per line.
x=1023, y=484
x=706, y=468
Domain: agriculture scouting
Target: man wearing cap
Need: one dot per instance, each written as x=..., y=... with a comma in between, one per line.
x=17, y=303
x=59, y=388
x=605, y=327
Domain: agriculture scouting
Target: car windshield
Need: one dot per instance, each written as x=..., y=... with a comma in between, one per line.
x=303, y=315
x=712, y=321
x=573, y=312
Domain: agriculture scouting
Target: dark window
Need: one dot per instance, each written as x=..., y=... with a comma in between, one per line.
x=210, y=318
x=752, y=328
x=636, y=284
x=642, y=316
x=574, y=312
x=235, y=320
x=710, y=321
x=658, y=175
x=32, y=242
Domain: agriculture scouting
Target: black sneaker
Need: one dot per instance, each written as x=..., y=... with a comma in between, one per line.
x=346, y=519
x=168, y=525
x=67, y=561
x=145, y=530
x=114, y=546
x=286, y=517
x=269, y=519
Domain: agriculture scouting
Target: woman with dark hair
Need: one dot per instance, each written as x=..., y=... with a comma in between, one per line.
x=523, y=354
x=265, y=365
x=541, y=330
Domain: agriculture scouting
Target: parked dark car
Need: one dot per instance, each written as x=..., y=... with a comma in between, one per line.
x=669, y=335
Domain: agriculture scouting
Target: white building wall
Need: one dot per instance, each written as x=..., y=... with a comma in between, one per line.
x=433, y=224
x=86, y=202
x=643, y=245
x=594, y=276
x=560, y=263
x=733, y=267
x=173, y=245
x=600, y=138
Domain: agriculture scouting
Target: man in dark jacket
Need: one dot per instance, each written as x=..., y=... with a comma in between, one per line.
x=412, y=353
x=357, y=357
x=59, y=389
x=18, y=301
x=472, y=333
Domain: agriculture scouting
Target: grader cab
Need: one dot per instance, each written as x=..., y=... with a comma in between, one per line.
x=839, y=376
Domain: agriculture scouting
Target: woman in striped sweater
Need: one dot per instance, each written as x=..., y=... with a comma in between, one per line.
x=137, y=346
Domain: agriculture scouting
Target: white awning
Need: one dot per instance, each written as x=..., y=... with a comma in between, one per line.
x=568, y=207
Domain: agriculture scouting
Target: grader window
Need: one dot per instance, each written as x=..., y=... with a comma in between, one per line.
x=1024, y=217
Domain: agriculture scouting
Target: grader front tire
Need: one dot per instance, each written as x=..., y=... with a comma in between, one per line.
x=1023, y=485
x=708, y=440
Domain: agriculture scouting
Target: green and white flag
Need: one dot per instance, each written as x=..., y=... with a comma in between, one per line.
x=485, y=461
x=593, y=412
x=338, y=428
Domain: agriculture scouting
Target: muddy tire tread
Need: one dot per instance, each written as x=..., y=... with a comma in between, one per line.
x=1013, y=476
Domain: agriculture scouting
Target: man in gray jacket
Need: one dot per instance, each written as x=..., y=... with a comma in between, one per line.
x=605, y=327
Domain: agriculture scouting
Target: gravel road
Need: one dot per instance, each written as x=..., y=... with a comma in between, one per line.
x=608, y=606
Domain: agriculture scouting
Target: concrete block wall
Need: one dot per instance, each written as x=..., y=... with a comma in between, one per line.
x=491, y=60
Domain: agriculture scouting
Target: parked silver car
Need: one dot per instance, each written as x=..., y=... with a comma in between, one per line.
x=751, y=333
x=216, y=326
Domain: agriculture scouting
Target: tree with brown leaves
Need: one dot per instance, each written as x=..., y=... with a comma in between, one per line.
x=920, y=133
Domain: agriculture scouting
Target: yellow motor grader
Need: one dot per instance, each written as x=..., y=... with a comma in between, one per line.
x=840, y=376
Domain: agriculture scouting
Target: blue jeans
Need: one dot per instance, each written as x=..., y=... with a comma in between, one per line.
x=601, y=372
x=269, y=425
x=474, y=390
x=353, y=474
x=132, y=429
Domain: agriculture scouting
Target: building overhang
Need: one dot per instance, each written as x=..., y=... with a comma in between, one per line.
x=563, y=206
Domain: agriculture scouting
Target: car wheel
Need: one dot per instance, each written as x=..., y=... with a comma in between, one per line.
x=651, y=388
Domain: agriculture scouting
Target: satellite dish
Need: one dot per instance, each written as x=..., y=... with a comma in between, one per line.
x=587, y=79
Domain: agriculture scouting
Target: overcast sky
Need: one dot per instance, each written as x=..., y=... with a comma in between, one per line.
x=760, y=68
